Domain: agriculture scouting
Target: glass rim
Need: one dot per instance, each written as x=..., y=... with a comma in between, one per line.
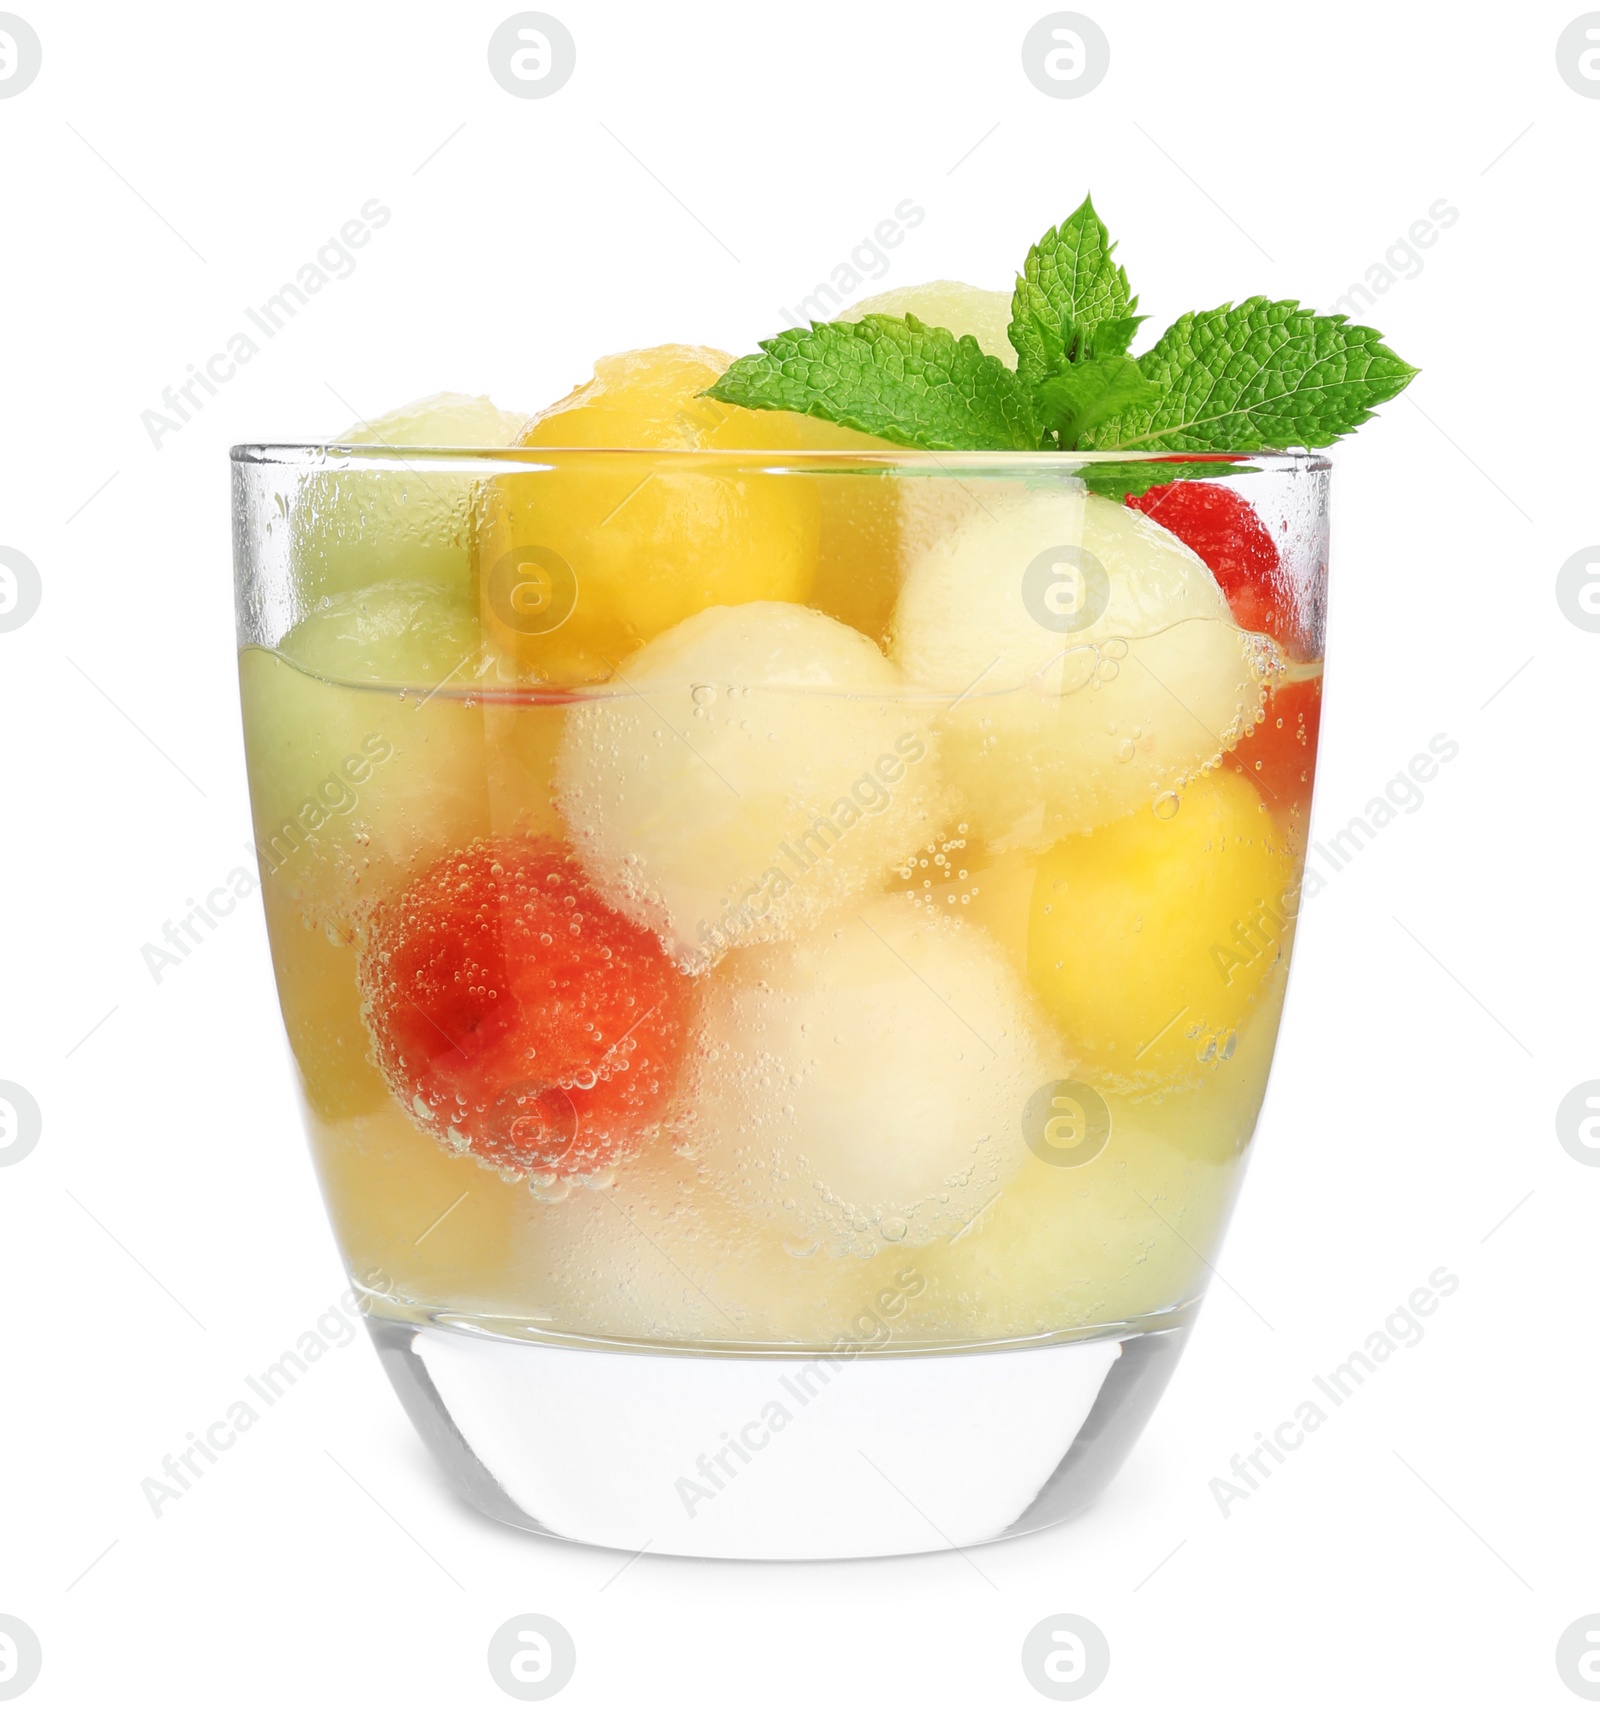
x=491, y=461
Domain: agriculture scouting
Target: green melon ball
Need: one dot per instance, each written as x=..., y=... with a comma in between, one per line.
x=365, y=759
x=352, y=528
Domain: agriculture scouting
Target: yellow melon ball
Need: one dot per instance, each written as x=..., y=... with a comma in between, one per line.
x=1151, y=939
x=859, y=554
x=581, y=564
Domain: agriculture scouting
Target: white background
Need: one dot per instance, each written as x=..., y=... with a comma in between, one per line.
x=169, y=166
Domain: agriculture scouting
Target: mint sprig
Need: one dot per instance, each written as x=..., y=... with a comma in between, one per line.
x=1068, y=280
x=1240, y=378
x=1254, y=375
x=891, y=376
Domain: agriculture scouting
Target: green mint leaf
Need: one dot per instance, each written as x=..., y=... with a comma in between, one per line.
x=1089, y=392
x=1068, y=276
x=891, y=376
x=1111, y=338
x=1056, y=340
x=1073, y=342
x=1255, y=375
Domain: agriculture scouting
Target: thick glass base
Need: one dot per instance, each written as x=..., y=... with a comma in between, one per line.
x=765, y=1455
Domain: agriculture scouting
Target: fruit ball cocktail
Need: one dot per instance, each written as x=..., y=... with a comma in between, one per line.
x=745, y=873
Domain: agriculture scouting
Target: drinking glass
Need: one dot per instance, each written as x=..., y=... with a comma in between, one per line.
x=782, y=952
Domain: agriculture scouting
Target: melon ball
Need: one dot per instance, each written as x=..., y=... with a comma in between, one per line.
x=860, y=511
x=750, y=771
x=364, y=760
x=949, y=303
x=351, y=528
x=1089, y=660
x=403, y=634
x=658, y=1254
x=866, y=1084
x=1151, y=940
x=1120, y=1236
x=441, y=419
x=581, y=562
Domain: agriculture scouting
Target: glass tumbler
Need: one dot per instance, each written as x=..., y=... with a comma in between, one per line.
x=782, y=952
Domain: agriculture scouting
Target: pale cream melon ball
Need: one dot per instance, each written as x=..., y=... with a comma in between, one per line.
x=1121, y=1235
x=659, y=1254
x=949, y=303
x=746, y=773
x=364, y=760
x=866, y=1084
x=1088, y=658
x=351, y=528
x=441, y=419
